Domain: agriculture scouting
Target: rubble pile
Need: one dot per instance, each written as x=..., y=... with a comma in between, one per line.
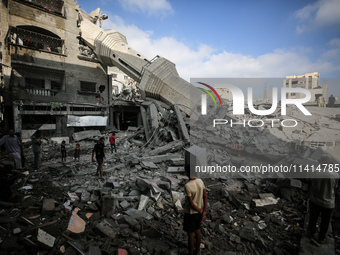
x=64, y=208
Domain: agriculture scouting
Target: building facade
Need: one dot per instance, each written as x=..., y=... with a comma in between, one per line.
x=310, y=81
x=47, y=72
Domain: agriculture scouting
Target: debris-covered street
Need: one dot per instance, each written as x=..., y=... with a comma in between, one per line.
x=64, y=208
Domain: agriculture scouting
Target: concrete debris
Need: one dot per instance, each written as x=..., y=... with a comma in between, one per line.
x=85, y=134
x=137, y=208
x=45, y=238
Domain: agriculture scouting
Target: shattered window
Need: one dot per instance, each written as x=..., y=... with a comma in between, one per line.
x=87, y=86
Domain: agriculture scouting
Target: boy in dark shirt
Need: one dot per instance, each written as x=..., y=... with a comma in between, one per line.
x=76, y=152
x=63, y=151
x=100, y=155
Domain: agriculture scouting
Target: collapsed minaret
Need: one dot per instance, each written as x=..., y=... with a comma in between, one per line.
x=157, y=78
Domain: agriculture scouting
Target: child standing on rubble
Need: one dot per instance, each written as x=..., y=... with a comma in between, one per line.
x=76, y=152
x=100, y=155
x=195, y=193
x=63, y=151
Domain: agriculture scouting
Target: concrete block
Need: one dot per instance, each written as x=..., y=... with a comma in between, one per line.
x=105, y=228
x=138, y=214
x=142, y=202
x=148, y=165
x=48, y=206
x=125, y=204
x=45, y=238
x=265, y=201
x=176, y=169
x=130, y=220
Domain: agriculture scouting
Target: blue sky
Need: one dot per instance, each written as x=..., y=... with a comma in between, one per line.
x=223, y=38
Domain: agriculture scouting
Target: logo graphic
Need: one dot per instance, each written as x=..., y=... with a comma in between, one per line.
x=208, y=92
x=238, y=100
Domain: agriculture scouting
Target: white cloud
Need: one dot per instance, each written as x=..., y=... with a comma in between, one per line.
x=204, y=61
x=150, y=7
x=320, y=14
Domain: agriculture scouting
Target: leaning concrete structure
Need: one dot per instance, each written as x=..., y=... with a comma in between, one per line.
x=157, y=78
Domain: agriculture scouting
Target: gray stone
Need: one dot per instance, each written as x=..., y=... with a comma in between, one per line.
x=125, y=204
x=138, y=214
x=106, y=229
x=130, y=220
x=148, y=165
x=248, y=234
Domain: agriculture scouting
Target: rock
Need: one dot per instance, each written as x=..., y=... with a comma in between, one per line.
x=125, y=204
x=106, y=229
x=138, y=214
x=248, y=234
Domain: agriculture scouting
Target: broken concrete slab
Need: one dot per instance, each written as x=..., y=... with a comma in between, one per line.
x=138, y=214
x=148, y=165
x=142, y=202
x=183, y=127
x=85, y=134
x=107, y=229
x=159, y=158
x=178, y=169
x=45, y=238
x=170, y=147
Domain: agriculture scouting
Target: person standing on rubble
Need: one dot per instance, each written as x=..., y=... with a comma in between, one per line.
x=321, y=101
x=63, y=151
x=100, y=155
x=322, y=199
x=112, y=139
x=331, y=101
x=12, y=146
x=76, y=152
x=195, y=193
x=36, y=148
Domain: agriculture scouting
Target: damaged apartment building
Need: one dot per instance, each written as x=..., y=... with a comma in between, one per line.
x=49, y=78
x=55, y=76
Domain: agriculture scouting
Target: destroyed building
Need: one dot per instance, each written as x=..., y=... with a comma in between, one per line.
x=47, y=72
x=138, y=206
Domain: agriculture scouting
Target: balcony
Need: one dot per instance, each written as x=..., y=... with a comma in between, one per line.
x=55, y=7
x=41, y=92
x=36, y=41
